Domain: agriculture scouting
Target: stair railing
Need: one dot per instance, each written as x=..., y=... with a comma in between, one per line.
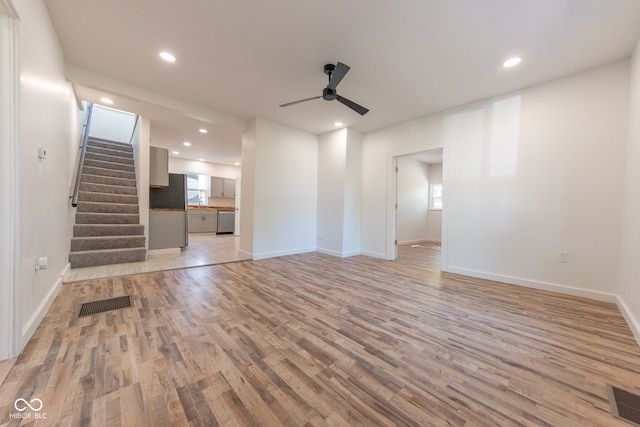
x=80, y=163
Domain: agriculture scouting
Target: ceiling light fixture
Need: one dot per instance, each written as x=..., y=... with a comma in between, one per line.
x=175, y=152
x=202, y=130
x=338, y=124
x=167, y=56
x=106, y=101
x=512, y=62
x=186, y=144
x=202, y=160
x=237, y=163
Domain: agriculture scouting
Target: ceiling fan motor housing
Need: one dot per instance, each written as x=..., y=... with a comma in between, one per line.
x=328, y=69
x=329, y=94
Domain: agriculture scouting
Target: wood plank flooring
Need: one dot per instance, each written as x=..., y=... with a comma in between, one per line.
x=314, y=340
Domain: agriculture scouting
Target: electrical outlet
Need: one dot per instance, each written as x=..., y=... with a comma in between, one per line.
x=563, y=256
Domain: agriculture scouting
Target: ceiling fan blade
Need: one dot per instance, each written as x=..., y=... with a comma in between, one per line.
x=299, y=101
x=338, y=74
x=355, y=107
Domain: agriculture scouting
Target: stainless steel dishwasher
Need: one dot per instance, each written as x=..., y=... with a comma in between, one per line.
x=226, y=222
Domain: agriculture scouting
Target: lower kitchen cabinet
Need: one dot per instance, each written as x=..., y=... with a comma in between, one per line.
x=167, y=229
x=203, y=221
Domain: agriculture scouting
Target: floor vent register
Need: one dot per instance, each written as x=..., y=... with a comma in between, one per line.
x=624, y=405
x=102, y=306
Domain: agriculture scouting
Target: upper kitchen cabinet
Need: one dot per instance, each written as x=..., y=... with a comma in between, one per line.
x=158, y=167
x=223, y=187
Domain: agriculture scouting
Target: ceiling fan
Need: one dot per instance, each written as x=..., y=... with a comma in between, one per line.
x=336, y=73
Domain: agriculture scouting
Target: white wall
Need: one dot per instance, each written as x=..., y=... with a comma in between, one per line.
x=247, y=195
x=521, y=183
x=352, y=194
x=434, y=217
x=332, y=152
x=285, y=190
x=47, y=118
x=378, y=178
x=339, y=172
x=9, y=88
x=630, y=232
x=413, y=200
x=111, y=124
x=142, y=156
x=178, y=165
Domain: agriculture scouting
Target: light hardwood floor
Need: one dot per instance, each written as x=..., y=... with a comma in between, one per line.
x=314, y=340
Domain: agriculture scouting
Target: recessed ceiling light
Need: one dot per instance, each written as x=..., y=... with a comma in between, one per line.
x=338, y=124
x=237, y=163
x=175, y=152
x=202, y=160
x=186, y=144
x=106, y=100
x=202, y=130
x=512, y=61
x=167, y=56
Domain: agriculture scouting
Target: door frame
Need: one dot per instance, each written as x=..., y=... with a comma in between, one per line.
x=9, y=87
x=391, y=251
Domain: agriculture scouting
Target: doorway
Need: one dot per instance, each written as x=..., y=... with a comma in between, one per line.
x=419, y=200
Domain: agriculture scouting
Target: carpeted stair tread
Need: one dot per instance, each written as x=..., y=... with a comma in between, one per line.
x=106, y=218
x=110, y=159
x=107, y=180
x=110, y=152
x=99, y=171
x=89, y=243
x=111, y=189
x=106, y=257
x=109, y=165
x=89, y=196
x=107, y=228
x=110, y=145
x=99, y=207
x=88, y=230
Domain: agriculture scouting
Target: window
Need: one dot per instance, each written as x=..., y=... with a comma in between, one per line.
x=197, y=188
x=435, y=203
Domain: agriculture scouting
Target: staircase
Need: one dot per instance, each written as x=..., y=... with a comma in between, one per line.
x=107, y=228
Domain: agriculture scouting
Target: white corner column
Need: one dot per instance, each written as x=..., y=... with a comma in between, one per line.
x=9, y=84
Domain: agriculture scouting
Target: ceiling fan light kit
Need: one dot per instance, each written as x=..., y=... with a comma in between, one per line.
x=336, y=73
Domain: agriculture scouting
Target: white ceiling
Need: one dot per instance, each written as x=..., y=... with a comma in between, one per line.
x=239, y=59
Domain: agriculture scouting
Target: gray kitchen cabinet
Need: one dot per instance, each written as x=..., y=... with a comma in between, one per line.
x=167, y=229
x=203, y=221
x=158, y=167
x=223, y=187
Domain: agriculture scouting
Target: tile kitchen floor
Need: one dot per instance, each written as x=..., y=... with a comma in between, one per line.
x=203, y=249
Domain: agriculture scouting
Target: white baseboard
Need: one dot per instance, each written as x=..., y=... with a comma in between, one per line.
x=245, y=254
x=265, y=255
x=534, y=284
x=32, y=324
x=632, y=321
x=374, y=254
x=338, y=254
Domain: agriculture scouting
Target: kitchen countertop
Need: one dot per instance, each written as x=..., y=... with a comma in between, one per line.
x=211, y=208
